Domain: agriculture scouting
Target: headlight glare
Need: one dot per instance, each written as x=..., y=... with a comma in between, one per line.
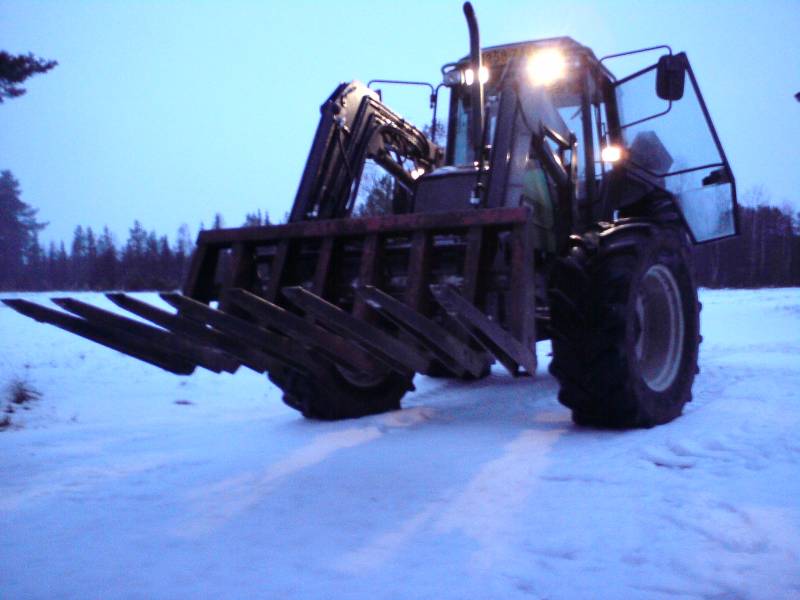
x=547, y=66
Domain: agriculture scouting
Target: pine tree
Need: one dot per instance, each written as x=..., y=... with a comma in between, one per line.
x=78, y=259
x=51, y=275
x=379, y=198
x=184, y=246
x=14, y=70
x=91, y=260
x=256, y=219
x=18, y=228
x=62, y=268
x=106, y=269
x=166, y=272
x=134, y=259
x=35, y=265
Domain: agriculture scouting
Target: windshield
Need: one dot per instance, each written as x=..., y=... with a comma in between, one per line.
x=463, y=152
x=536, y=137
x=460, y=150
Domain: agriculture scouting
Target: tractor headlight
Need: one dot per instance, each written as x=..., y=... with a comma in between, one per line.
x=547, y=66
x=469, y=75
x=456, y=77
x=611, y=154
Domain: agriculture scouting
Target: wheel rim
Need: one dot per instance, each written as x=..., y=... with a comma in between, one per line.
x=659, y=328
x=362, y=379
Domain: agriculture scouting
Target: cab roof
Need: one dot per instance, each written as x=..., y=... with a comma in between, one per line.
x=501, y=54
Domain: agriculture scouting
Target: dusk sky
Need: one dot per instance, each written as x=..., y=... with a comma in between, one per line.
x=168, y=112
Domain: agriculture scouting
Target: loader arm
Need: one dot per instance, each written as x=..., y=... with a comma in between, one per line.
x=356, y=126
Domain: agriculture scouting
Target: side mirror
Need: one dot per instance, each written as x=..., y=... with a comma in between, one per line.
x=717, y=177
x=670, y=77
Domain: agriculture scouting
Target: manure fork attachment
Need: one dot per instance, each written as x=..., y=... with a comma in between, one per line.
x=433, y=293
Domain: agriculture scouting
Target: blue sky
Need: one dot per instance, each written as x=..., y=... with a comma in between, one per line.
x=168, y=112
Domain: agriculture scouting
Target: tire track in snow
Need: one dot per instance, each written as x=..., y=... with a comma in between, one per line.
x=216, y=504
x=486, y=509
x=387, y=545
x=76, y=480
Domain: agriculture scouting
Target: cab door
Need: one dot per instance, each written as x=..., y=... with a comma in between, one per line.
x=673, y=145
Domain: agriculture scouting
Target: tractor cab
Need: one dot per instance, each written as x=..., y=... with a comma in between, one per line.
x=556, y=131
x=538, y=110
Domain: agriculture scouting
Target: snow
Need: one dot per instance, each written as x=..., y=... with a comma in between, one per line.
x=109, y=489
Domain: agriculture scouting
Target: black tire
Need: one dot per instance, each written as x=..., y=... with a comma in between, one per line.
x=439, y=371
x=329, y=395
x=625, y=321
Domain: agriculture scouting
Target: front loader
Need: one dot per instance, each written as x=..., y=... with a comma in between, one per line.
x=562, y=206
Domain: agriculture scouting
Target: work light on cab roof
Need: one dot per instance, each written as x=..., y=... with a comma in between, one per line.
x=547, y=66
x=544, y=67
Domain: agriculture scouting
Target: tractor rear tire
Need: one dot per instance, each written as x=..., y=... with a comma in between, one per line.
x=625, y=321
x=329, y=395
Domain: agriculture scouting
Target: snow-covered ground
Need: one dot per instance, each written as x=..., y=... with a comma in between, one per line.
x=123, y=481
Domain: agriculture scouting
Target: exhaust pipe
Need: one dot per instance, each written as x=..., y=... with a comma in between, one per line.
x=477, y=86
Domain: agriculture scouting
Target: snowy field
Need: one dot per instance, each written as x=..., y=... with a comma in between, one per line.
x=123, y=481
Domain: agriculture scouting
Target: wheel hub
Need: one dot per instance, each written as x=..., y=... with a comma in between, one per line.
x=659, y=328
x=362, y=379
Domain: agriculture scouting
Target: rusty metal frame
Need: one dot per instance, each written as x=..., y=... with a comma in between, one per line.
x=273, y=323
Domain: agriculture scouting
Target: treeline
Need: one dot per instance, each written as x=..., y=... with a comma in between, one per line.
x=93, y=260
x=765, y=254
x=146, y=261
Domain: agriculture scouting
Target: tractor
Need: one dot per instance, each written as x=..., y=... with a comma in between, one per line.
x=562, y=204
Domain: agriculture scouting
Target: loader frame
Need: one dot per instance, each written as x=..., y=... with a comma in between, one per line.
x=276, y=297
x=263, y=261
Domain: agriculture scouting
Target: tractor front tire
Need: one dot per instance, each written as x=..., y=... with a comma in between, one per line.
x=625, y=325
x=330, y=395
